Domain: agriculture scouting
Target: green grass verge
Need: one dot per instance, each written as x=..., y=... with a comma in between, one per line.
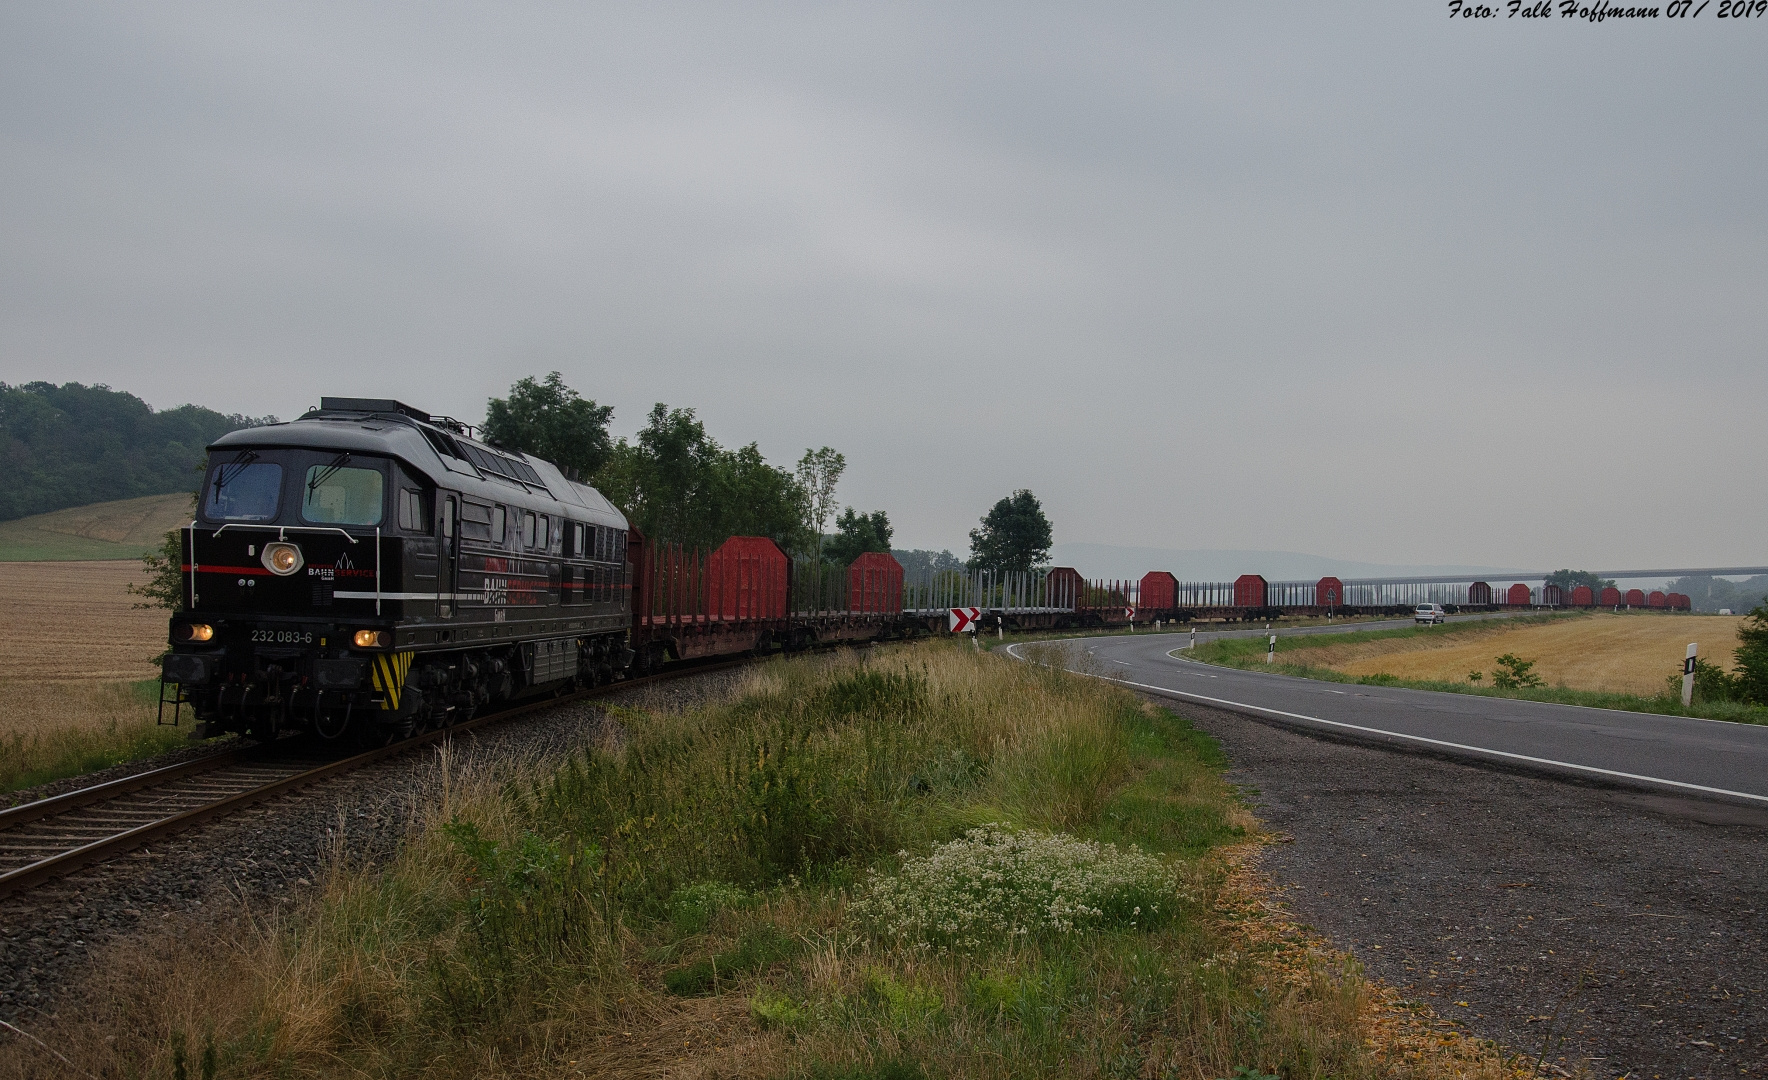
x=698, y=888
x=1249, y=654
x=119, y=727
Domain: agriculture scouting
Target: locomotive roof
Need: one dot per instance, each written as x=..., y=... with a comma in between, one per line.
x=444, y=455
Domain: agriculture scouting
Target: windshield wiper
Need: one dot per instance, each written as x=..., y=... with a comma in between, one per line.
x=238, y=465
x=326, y=473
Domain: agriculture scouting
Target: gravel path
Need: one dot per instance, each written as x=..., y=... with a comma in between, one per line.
x=1624, y=929
x=266, y=853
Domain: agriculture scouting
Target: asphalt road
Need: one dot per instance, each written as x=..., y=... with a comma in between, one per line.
x=1667, y=753
x=1612, y=923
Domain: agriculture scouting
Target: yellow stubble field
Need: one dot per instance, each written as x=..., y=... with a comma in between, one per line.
x=71, y=645
x=1615, y=653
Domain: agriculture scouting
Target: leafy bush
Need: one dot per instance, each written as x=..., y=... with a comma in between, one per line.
x=991, y=886
x=1711, y=683
x=1515, y=673
x=772, y=1009
x=1752, y=657
x=692, y=908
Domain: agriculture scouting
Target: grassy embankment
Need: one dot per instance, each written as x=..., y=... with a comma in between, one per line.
x=76, y=686
x=930, y=863
x=1603, y=661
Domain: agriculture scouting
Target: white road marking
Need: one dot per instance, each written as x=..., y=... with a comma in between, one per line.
x=1458, y=746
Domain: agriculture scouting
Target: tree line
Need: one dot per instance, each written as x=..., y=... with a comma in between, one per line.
x=72, y=444
x=679, y=484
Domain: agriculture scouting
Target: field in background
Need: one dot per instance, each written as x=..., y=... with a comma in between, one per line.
x=1609, y=653
x=126, y=529
x=75, y=660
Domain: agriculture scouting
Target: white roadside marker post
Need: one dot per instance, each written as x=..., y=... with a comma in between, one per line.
x=1688, y=676
x=1193, y=644
x=1271, y=656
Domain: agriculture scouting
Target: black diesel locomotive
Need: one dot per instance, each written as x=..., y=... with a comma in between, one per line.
x=369, y=568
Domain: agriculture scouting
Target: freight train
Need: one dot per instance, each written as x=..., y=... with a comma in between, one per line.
x=373, y=570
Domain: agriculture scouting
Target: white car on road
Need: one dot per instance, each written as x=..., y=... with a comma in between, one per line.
x=1430, y=613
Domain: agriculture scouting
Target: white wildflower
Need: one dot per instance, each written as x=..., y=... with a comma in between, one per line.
x=992, y=885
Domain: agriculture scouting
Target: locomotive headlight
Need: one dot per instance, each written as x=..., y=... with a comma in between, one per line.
x=373, y=639
x=282, y=559
x=194, y=632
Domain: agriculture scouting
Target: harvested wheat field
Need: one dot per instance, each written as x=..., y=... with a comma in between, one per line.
x=1630, y=654
x=71, y=651
x=75, y=620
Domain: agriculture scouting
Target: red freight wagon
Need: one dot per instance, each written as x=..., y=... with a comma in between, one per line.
x=874, y=583
x=1656, y=599
x=1064, y=586
x=747, y=579
x=1249, y=591
x=1611, y=597
x=1329, y=592
x=1519, y=596
x=1635, y=598
x=1581, y=596
x=1679, y=601
x=1552, y=596
x=1159, y=591
x=1479, y=593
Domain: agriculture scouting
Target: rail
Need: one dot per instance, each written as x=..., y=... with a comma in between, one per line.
x=52, y=837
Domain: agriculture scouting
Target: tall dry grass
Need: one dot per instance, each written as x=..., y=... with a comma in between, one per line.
x=673, y=900
x=53, y=729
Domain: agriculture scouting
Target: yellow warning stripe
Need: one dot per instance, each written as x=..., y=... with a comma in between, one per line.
x=389, y=677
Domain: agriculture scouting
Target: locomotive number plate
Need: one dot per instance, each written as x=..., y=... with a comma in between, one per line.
x=283, y=637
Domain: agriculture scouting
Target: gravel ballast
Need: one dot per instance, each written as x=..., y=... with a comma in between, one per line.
x=1625, y=929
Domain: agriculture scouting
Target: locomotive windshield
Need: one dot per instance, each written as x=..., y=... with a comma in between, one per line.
x=294, y=487
x=243, y=490
x=339, y=494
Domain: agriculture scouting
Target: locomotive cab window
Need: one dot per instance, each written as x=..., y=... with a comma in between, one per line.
x=528, y=532
x=339, y=494
x=243, y=490
x=448, y=516
x=412, y=515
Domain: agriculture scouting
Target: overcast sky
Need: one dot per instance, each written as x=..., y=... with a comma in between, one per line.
x=1352, y=279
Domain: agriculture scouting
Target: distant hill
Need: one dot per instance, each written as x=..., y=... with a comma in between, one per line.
x=1111, y=561
x=127, y=529
x=72, y=445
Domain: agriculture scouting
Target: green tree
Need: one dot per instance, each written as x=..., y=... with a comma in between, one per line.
x=1015, y=535
x=71, y=445
x=164, y=587
x=818, y=473
x=1568, y=580
x=1751, y=660
x=919, y=562
x=1515, y=673
x=856, y=534
x=678, y=484
x=549, y=419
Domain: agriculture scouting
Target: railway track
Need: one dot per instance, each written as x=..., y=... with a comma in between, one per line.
x=50, y=838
